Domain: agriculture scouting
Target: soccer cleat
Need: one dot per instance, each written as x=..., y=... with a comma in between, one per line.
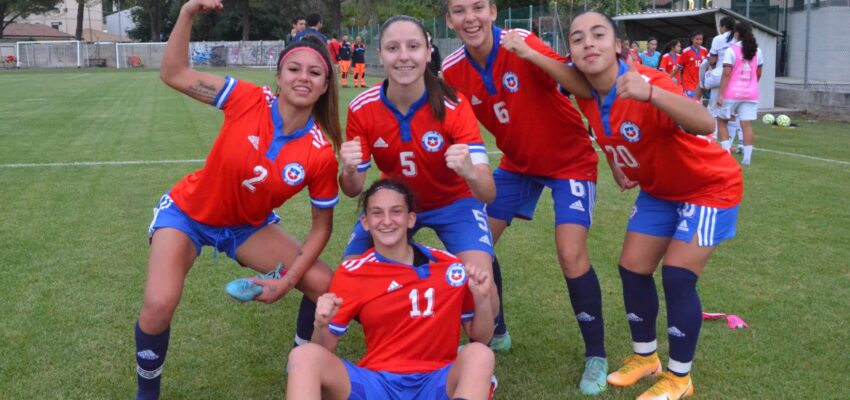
x=635, y=367
x=669, y=387
x=593, y=379
x=501, y=343
x=244, y=290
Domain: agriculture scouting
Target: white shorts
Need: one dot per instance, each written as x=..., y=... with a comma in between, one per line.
x=712, y=103
x=744, y=110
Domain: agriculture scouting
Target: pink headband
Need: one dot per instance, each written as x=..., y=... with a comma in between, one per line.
x=307, y=49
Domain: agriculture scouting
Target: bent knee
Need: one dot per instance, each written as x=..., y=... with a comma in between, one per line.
x=479, y=354
x=305, y=356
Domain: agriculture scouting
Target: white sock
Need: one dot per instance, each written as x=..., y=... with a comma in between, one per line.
x=726, y=144
x=748, y=152
x=740, y=137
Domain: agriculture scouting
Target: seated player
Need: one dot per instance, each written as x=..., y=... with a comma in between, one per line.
x=409, y=299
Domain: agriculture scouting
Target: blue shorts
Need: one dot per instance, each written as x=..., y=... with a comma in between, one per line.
x=461, y=226
x=517, y=196
x=368, y=384
x=226, y=239
x=679, y=220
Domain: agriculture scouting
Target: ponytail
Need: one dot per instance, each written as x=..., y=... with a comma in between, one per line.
x=438, y=92
x=749, y=46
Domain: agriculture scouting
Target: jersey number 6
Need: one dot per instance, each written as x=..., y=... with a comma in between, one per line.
x=501, y=112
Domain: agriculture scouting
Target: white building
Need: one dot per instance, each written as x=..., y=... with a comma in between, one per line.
x=119, y=23
x=65, y=17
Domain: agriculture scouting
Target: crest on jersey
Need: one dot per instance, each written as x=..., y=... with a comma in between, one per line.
x=630, y=131
x=293, y=174
x=510, y=81
x=432, y=141
x=456, y=275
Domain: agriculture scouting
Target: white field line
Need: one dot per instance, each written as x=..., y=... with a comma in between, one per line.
x=195, y=161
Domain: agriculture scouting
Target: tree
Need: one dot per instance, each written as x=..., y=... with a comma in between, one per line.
x=11, y=10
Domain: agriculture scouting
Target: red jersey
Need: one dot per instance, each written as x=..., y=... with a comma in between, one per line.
x=252, y=167
x=412, y=147
x=690, y=60
x=654, y=151
x=333, y=47
x=411, y=315
x=525, y=111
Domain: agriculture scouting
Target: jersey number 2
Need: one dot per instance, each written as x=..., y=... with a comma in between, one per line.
x=261, y=174
x=414, y=303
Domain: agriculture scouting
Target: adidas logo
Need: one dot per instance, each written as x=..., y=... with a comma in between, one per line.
x=683, y=226
x=380, y=143
x=577, y=206
x=255, y=141
x=584, y=317
x=485, y=239
x=674, y=331
x=632, y=317
x=475, y=101
x=393, y=286
x=147, y=355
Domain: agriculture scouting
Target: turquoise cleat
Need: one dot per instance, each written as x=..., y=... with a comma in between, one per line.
x=501, y=343
x=244, y=290
x=594, y=379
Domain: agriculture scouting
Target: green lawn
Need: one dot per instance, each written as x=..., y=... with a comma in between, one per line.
x=73, y=250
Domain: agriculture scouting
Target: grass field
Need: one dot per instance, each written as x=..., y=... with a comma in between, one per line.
x=73, y=250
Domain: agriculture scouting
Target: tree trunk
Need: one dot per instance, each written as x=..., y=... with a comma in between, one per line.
x=156, y=20
x=336, y=15
x=81, y=8
x=246, y=19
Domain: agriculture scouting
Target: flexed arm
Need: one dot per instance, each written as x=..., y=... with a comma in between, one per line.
x=567, y=76
x=175, y=70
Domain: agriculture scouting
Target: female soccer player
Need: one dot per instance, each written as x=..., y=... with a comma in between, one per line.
x=688, y=203
x=409, y=299
x=688, y=64
x=358, y=60
x=269, y=149
x=669, y=60
x=420, y=131
x=651, y=56
x=530, y=118
x=739, y=87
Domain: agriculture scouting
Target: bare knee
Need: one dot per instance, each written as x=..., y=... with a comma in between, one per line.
x=574, y=261
x=478, y=355
x=156, y=314
x=305, y=358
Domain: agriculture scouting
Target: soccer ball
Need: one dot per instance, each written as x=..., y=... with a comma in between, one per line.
x=768, y=119
x=783, y=120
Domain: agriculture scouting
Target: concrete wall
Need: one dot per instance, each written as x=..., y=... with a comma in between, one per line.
x=829, y=47
x=829, y=104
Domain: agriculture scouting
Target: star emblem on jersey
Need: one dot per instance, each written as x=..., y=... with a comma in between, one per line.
x=630, y=131
x=255, y=141
x=432, y=141
x=293, y=174
x=394, y=286
x=475, y=100
x=510, y=82
x=380, y=143
x=456, y=275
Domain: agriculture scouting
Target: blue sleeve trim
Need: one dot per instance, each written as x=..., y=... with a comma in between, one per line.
x=477, y=148
x=467, y=316
x=324, y=203
x=364, y=166
x=224, y=93
x=338, y=330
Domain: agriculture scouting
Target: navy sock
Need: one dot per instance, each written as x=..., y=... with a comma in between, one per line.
x=641, y=300
x=586, y=299
x=304, y=324
x=684, y=316
x=501, y=328
x=150, y=355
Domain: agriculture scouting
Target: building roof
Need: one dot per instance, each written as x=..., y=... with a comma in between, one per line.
x=94, y=35
x=35, y=31
x=680, y=23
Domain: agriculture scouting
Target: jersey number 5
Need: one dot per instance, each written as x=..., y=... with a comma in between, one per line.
x=261, y=174
x=408, y=167
x=414, y=303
